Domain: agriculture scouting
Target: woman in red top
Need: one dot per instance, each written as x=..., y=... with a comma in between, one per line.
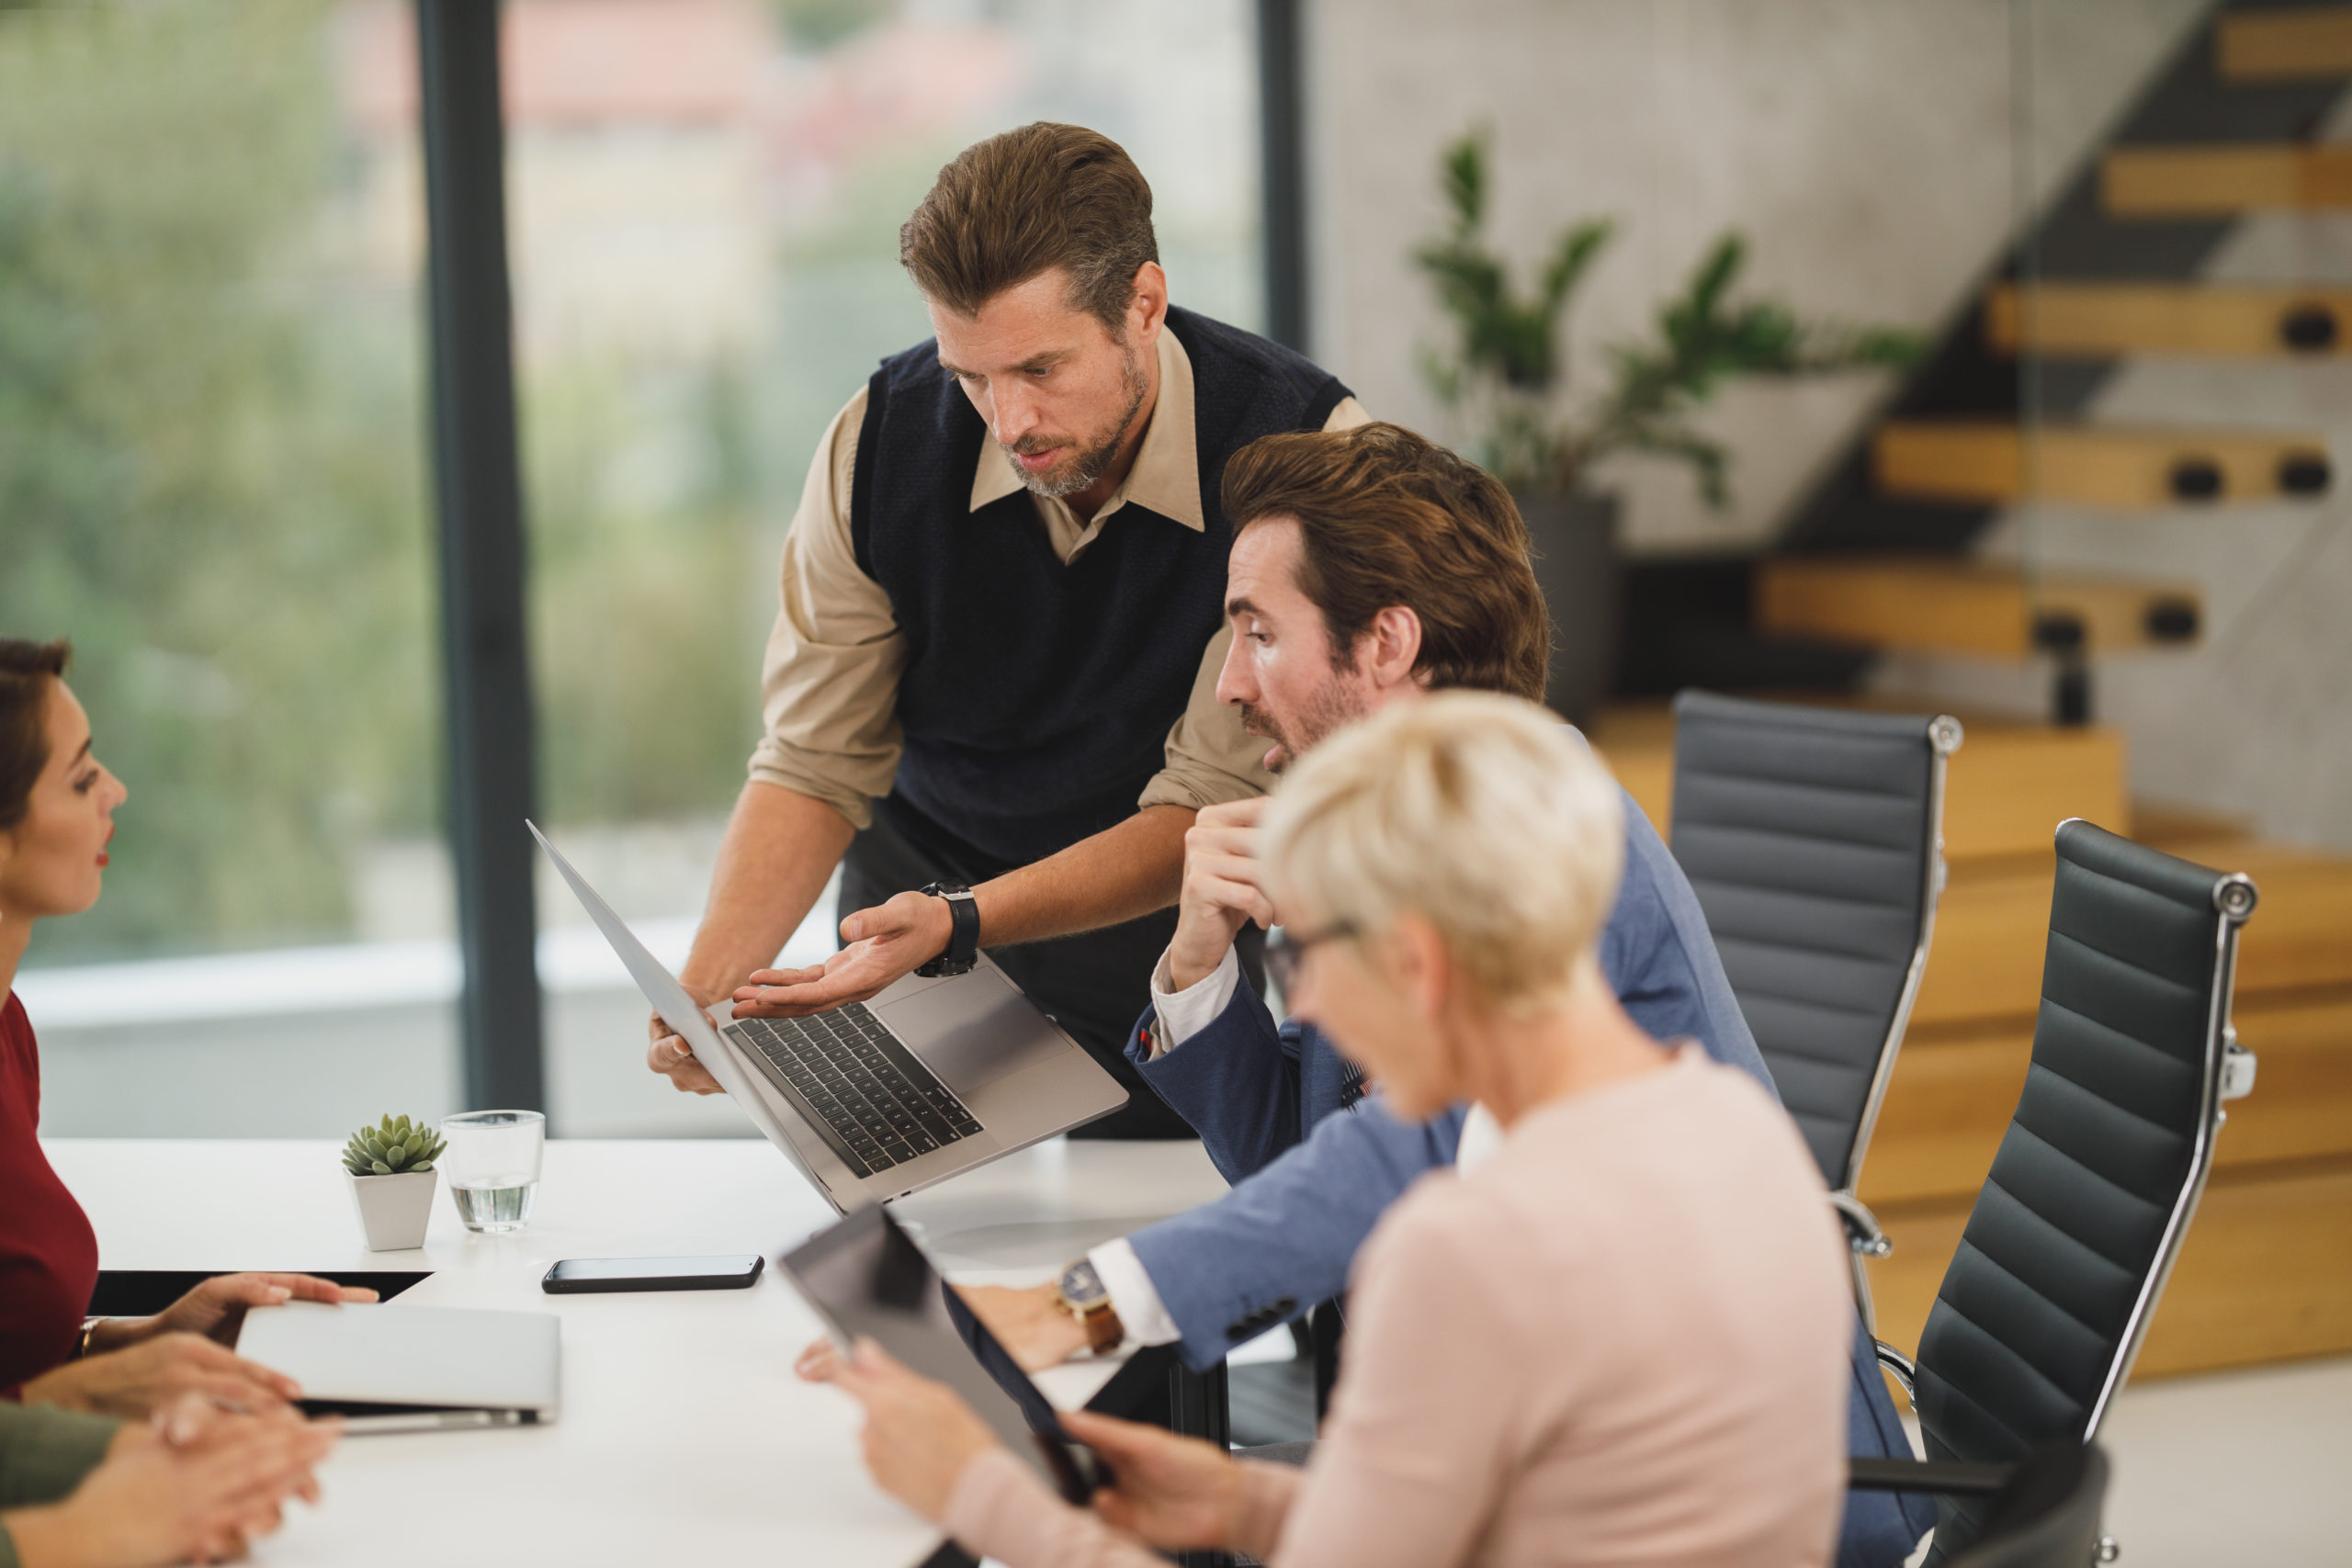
x=57, y=804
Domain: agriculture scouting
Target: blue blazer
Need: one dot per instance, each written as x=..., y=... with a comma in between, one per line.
x=1310, y=1178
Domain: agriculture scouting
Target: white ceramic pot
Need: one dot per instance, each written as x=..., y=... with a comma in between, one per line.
x=394, y=1209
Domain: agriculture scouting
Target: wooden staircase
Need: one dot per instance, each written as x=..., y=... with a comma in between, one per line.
x=2267, y=1274
x=2002, y=411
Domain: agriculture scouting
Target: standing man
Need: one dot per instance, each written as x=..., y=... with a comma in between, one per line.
x=994, y=666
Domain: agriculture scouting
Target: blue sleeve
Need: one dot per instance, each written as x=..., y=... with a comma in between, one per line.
x=1661, y=961
x=1235, y=1081
x=1283, y=1240
x=1881, y=1529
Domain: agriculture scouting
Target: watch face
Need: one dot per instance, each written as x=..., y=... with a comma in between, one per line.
x=1082, y=1287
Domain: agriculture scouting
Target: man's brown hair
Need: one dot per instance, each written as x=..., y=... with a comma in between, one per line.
x=1388, y=518
x=1017, y=205
x=27, y=671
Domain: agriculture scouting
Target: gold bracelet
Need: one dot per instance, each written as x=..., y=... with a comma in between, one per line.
x=82, y=1344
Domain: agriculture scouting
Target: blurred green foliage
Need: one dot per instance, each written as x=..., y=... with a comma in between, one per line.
x=208, y=473
x=213, y=478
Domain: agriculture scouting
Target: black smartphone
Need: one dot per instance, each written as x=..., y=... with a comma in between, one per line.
x=579, y=1276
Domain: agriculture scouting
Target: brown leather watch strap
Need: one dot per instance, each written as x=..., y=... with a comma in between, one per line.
x=1103, y=1329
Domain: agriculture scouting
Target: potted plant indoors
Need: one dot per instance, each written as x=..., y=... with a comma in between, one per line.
x=1505, y=382
x=393, y=1178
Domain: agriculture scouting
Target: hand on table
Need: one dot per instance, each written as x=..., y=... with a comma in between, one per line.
x=195, y=1484
x=918, y=1434
x=216, y=1309
x=1175, y=1493
x=1223, y=889
x=890, y=939
x=136, y=1381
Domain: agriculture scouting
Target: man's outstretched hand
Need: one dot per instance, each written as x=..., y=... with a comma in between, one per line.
x=886, y=942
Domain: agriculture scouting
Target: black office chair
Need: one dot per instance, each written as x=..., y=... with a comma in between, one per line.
x=1813, y=838
x=2038, y=1320
x=2043, y=1513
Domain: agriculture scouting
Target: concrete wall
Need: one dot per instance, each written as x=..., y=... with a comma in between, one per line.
x=1877, y=156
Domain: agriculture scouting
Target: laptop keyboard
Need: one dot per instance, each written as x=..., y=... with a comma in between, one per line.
x=876, y=1103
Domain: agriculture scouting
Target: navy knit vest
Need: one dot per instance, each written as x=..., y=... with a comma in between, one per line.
x=1037, y=697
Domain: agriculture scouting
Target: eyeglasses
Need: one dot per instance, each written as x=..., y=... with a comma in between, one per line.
x=1285, y=952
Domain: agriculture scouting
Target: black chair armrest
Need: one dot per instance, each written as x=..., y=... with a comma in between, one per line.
x=1949, y=1477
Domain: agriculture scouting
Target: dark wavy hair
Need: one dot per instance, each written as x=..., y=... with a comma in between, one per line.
x=1388, y=517
x=27, y=671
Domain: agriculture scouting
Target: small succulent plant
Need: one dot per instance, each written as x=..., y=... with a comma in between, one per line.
x=395, y=1146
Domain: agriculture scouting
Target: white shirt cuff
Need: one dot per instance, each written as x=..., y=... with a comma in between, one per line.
x=1133, y=1295
x=1185, y=1013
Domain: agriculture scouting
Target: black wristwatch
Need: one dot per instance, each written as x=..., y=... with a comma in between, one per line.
x=964, y=945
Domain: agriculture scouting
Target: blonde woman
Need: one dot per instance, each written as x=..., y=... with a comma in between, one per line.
x=1622, y=1337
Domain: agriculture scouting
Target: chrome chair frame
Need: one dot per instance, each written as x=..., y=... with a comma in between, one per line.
x=1865, y=1239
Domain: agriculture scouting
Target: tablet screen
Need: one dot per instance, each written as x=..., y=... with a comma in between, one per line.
x=866, y=1277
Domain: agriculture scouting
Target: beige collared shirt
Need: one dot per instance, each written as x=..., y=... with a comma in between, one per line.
x=829, y=683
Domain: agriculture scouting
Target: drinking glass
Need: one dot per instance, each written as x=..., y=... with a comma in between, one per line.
x=492, y=1163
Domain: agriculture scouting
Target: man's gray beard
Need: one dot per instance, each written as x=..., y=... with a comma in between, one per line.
x=1091, y=465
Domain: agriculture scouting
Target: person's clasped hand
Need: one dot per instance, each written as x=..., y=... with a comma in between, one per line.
x=1223, y=889
x=195, y=1484
x=886, y=943
x=136, y=1365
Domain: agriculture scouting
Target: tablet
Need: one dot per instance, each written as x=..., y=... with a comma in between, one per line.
x=866, y=1277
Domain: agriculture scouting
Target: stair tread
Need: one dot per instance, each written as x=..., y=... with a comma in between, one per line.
x=1992, y=927
x=2291, y=44
x=2061, y=318
x=1956, y=605
x=2193, y=181
x=2265, y=1274
x=2130, y=467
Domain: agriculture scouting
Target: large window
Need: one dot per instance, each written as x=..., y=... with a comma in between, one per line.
x=705, y=200
x=211, y=479
x=212, y=473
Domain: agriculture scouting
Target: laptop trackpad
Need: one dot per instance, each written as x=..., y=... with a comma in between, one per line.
x=974, y=1030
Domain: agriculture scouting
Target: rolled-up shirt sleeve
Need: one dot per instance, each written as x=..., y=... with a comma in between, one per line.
x=1210, y=759
x=829, y=686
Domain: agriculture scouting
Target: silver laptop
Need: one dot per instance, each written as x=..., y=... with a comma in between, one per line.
x=880, y=1098
x=392, y=1369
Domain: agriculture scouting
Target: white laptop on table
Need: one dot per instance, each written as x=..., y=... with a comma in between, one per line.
x=880, y=1098
x=401, y=1369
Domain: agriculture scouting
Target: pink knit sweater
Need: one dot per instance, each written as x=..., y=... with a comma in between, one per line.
x=1621, y=1340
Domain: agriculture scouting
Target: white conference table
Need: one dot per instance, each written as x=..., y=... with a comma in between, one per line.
x=684, y=1434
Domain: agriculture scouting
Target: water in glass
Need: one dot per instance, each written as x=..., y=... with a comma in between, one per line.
x=492, y=1163
x=494, y=1203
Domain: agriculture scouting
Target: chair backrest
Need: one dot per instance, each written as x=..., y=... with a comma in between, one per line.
x=2048, y=1516
x=1813, y=838
x=2065, y=1254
